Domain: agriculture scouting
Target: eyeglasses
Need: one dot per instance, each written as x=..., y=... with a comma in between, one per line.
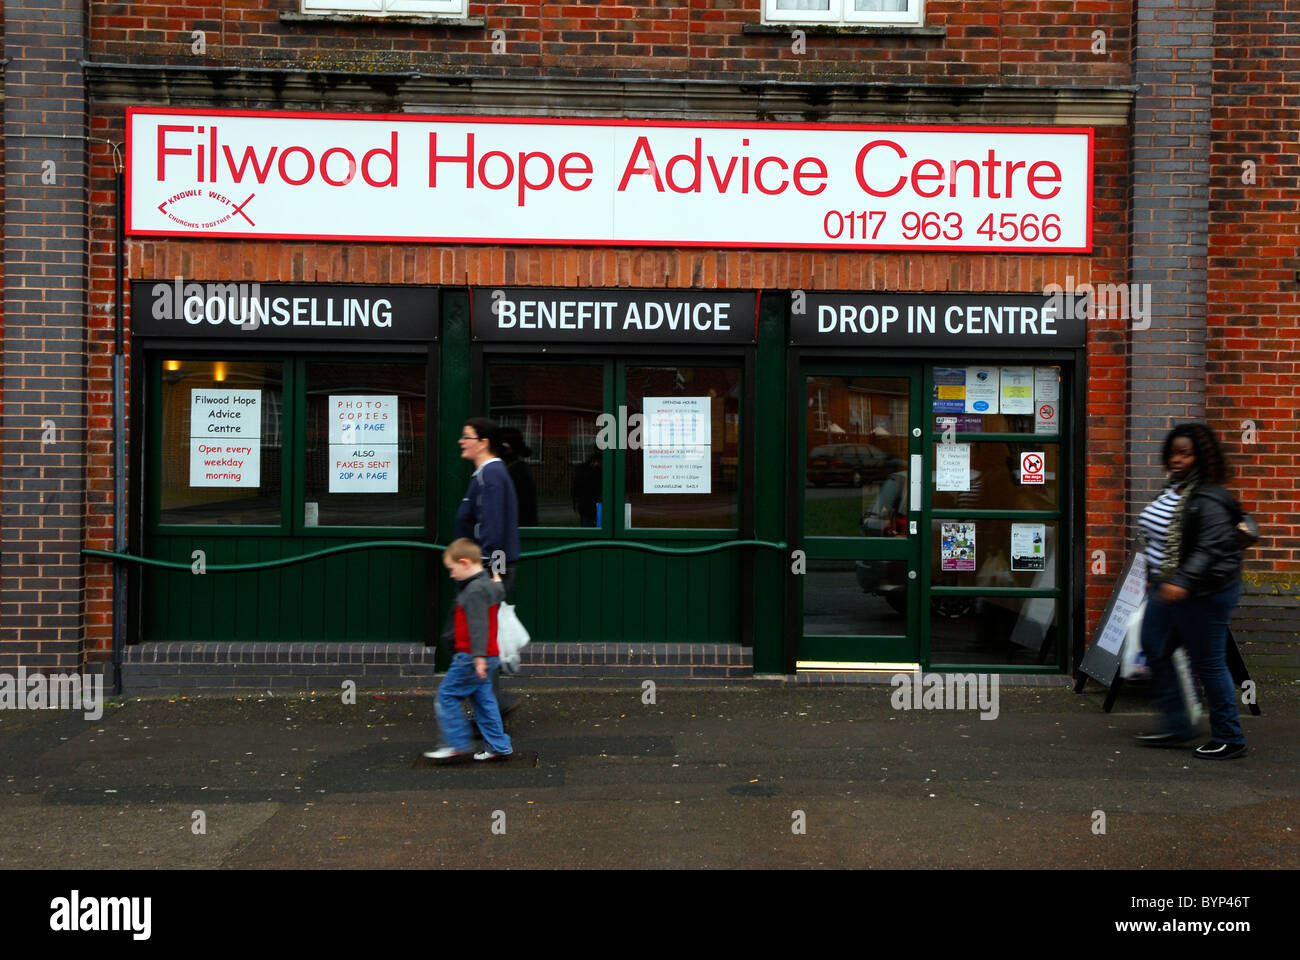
x=464, y=436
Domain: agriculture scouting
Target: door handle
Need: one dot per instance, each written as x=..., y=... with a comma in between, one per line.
x=914, y=504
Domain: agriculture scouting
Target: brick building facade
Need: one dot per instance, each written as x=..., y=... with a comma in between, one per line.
x=1176, y=95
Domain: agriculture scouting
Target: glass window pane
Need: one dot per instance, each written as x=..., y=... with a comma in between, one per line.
x=222, y=429
x=803, y=4
x=855, y=598
x=1002, y=630
x=993, y=553
x=683, y=474
x=995, y=479
x=365, y=445
x=550, y=413
x=856, y=465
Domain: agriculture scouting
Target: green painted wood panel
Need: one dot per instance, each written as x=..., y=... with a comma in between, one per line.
x=371, y=595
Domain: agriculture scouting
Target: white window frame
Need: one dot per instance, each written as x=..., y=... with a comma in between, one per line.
x=843, y=14
x=389, y=8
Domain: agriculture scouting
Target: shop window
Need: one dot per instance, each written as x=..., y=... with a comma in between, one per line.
x=555, y=407
x=386, y=8
x=221, y=449
x=993, y=630
x=684, y=473
x=365, y=445
x=846, y=12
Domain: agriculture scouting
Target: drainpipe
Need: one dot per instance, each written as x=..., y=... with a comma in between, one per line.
x=119, y=441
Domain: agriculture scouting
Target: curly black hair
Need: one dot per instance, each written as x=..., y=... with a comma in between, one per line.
x=1210, y=462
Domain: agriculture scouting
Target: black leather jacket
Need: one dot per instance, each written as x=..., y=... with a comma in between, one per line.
x=1209, y=560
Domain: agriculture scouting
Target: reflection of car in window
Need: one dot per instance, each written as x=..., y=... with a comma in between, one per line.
x=850, y=463
x=887, y=517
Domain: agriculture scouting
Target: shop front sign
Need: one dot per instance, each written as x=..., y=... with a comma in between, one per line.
x=276, y=175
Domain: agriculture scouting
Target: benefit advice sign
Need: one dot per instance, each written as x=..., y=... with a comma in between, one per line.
x=626, y=182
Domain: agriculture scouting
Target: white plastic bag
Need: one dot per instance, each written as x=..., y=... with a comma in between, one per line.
x=1133, y=662
x=511, y=637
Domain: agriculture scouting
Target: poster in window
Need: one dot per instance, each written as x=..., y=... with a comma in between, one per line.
x=677, y=445
x=225, y=438
x=957, y=546
x=363, y=437
x=949, y=389
x=1028, y=547
x=1017, y=390
x=981, y=390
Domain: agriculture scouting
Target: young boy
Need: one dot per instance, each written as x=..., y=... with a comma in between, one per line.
x=474, y=630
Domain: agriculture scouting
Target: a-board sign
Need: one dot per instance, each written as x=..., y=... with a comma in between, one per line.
x=1101, y=661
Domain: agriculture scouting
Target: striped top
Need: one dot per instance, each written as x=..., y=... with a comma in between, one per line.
x=1154, y=524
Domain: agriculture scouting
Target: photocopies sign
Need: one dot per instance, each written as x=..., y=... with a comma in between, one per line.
x=363, y=444
x=589, y=181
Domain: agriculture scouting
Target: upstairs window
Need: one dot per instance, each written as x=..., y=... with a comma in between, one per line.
x=388, y=8
x=846, y=12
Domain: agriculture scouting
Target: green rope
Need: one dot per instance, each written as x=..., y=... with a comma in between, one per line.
x=421, y=545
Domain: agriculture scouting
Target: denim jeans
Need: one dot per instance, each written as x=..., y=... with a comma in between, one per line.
x=460, y=682
x=1200, y=626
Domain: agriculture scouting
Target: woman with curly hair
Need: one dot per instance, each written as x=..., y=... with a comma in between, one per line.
x=1194, y=579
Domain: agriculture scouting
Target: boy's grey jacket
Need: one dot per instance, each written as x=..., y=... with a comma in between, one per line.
x=475, y=597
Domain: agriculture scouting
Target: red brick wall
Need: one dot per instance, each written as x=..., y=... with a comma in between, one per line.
x=985, y=41
x=1253, y=322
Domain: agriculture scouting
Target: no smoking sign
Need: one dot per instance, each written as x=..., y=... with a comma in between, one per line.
x=1031, y=467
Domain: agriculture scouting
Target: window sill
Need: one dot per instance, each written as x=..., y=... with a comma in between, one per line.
x=833, y=30
x=451, y=23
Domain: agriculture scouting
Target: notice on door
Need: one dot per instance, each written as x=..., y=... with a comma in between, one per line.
x=1047, y=400
x=981, y=390
x=1028, y=546
x=363, y=444
x=952, y=466
x=1032, y=469
x=957, y=546
x=225, y=438
x=677, y=445
x=1018, y=390
x=949, y=389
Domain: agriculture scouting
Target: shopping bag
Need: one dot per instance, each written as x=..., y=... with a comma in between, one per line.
x=1133, y=662
x=511, y=638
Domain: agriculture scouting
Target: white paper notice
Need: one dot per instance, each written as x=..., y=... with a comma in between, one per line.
x=1047, y=400
x=1017, y=389
x=225, y=438
x=952, y=466
x=1028, y=547
x=363, y=444
x=981, y=390
x=677, y=445
x=1047, y=384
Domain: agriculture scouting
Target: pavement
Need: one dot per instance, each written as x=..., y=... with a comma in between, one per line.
x=734, y=777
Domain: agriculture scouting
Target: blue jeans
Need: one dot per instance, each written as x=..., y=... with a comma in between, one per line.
x=1200, y=626
x=460, y=682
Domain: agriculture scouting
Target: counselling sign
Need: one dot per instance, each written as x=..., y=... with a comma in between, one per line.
x=263, y=174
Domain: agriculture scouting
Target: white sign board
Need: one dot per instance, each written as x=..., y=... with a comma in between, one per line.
x=268, y=175
x=363, y=443
x=677, y=445
x=1047, y=400
x=225, y=438
x=1128, y=597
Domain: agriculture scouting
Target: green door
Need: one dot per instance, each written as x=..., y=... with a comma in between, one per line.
x=860, y=509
